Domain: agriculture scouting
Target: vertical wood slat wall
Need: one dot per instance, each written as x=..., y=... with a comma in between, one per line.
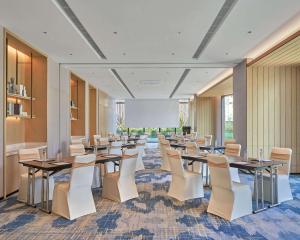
x=273, y=110
x=206, y=113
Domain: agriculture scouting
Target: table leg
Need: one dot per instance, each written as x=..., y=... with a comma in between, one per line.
x=100, y=176
x=32, y=186
x=43, y=191
x=275, y=190
x=272, y=186
x=206, y=176
x=28, y=185
x=47, y=192
x=262, y=189
x=256, y=190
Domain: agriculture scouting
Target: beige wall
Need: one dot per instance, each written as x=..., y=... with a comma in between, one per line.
x=273, y=110
x=106, y=114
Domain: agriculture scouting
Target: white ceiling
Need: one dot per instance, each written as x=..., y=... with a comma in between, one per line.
x=149, y=43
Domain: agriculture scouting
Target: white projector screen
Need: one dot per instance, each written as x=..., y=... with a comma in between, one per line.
x=151, y=113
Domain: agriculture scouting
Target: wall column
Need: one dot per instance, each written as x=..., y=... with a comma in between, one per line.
x=2, y=113
x=64, y=110
x=240, y=104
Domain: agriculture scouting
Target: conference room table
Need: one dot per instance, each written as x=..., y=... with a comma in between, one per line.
x=92, y=148
x=210, y=149
x=50, y=167
x=254, y=167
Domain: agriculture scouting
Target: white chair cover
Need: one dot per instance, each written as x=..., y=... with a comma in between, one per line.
x=77, y=150
x=120, y=186
x=164, y=146
x=283, y=191
x=29, y=155
x=232, y=149
x=185, y=184
x=229, y=200
x=75, y=199
x=140, y=146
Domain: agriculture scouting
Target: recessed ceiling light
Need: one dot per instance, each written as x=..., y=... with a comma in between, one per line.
x=70, y=54
x=226, y=53
x=249, y=32
x=179, y=32
x=45, y=32
x=173, y=53
x=115, y=32
x=132, y=73
x=124, y=53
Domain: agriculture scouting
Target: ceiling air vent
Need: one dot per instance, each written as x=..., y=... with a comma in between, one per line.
x=220, y=18
x=73, y=19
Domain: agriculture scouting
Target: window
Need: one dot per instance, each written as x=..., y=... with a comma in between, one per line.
x=227, y=107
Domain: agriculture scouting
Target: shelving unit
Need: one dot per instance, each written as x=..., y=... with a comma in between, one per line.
x=18, y=96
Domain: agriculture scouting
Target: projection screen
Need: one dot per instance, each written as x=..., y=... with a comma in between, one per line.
x=151, y=113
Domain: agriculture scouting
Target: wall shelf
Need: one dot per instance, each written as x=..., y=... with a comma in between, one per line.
x=12, y=95
x=74, y=108
x=21, y=116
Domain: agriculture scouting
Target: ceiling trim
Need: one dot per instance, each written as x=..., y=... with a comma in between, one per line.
x=277, y=46
x=118, y=77
x=181, y=79
x=65, y=9
x=217, y=23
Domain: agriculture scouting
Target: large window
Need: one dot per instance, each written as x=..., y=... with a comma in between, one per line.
x=121, y=128
x=228, y=117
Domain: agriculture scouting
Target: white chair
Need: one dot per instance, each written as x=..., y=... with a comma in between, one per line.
x=114, y=149
x=74, y=199
x=200, y=141
x=185, y=184
x=96, y=139
x=77, y=139
x=233, y=150
x=229, y=200
x=140, y=146
x=29, y=155
x=164, y=146
x=192, y=149
x=208, y=140
x=77, y=150
x=120, y=186
x=283, y=191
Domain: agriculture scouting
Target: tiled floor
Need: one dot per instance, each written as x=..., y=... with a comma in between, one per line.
x=152, y=216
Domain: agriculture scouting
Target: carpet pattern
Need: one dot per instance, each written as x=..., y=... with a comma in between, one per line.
x=152, y=216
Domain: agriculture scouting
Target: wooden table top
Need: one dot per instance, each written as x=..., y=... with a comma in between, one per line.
x=66, y=162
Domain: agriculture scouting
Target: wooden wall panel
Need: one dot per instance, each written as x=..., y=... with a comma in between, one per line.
x=78, y=126
x=273, y=95
x=206, y=107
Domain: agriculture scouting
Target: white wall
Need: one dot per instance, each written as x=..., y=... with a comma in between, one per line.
x=3, y=107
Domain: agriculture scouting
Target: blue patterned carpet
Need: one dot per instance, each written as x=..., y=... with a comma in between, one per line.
x=152, y=216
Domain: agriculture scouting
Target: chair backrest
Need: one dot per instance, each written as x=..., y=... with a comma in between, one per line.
x=97, y=139
x=128, y=163
x=175, y=162
x=77, y=150
x=200, y=141
x=229, y=141
x=143, y=137
x=219, y=171
x=117, y=144
x=103, y=141
x=208, y=140
x=29, y=154
x=141, y=141
x=282, y=154
x=191, y=148
x=233, y=149
x=82, y=171
x=164, y=144
x=116, y=151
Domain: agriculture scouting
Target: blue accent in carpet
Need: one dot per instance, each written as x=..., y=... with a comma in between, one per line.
x=18, y=222
x=108, y=222
x=61, y=222
x=145, y=234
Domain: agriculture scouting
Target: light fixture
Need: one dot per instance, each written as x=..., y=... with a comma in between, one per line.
x=45, y=32
x=70, y=54
x=115, y=32
x=173, y=53
x=249, y=32
x=226, y=53
x=124, y=54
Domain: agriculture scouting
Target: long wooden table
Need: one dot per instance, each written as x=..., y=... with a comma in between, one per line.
x=255, y=168
x=50, y=167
